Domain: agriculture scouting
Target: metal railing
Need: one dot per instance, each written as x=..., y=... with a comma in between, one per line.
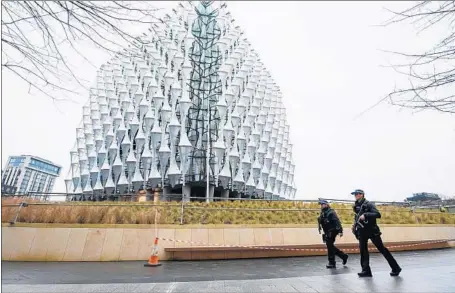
x=172, y=197
x=179, y=197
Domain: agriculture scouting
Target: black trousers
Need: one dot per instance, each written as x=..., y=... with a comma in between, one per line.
x=332, y=250
x=365, y=256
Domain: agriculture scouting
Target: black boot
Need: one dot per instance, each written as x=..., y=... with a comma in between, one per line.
x=364, y=274
x=345, y=259
x=331, y=266
x=395, y=272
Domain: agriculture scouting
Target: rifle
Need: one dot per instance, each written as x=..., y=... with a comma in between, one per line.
x=360, y=224
x=357, y=222
x=324, y=238
x=319, y=225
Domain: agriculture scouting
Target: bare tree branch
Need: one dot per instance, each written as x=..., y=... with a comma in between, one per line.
x=35, y=35
x=431, y=73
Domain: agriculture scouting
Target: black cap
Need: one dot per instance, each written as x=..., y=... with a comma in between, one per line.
x=357, y=191
x=323, y=201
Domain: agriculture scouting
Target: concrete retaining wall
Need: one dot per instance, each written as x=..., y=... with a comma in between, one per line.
x=53, y=243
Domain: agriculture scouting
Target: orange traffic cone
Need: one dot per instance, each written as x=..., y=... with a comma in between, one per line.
x=153, y=260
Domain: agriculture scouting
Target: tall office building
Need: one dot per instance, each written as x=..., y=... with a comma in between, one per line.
x=193, y=110
x=25, y=173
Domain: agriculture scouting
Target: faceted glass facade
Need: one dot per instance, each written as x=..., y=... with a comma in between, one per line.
x=195, y=103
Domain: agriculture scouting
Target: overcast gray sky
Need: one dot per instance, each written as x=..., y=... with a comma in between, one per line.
x=326, y=58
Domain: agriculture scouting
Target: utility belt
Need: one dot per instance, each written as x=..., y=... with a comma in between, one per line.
x=330, y=233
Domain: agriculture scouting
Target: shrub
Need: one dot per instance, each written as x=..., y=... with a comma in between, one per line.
x=203, y=213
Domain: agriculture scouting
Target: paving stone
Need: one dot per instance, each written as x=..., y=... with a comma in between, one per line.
x=125, y=272
x=431, y=271
x=322, y=284
x=302, y=287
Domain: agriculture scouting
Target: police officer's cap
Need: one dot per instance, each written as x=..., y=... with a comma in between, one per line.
x=357, y=191
x=323, y=201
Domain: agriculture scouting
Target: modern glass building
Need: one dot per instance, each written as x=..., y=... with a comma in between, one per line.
x=25, y=173
x=193, y=111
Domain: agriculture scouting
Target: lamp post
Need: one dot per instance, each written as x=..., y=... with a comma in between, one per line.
x=174, y=172
x=185, y=103
x=155, y=136
x=131, y=164
x=146, y=159
x=219, y=147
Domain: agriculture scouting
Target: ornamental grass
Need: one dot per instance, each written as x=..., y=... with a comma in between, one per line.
x=225, y=212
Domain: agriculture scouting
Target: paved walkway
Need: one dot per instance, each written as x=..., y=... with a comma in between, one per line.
x=424, y=271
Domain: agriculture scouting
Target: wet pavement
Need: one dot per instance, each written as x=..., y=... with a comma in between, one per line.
x=423, y=271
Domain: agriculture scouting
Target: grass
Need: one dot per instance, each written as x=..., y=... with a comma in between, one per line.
x=204, y=213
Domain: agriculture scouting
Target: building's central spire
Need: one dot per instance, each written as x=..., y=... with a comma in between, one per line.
x=205, y=88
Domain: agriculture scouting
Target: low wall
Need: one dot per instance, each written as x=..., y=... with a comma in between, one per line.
x=135, y=242
x=221, y=253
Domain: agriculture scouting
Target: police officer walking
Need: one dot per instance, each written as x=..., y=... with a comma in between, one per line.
x=331, y=225
x=365, y=228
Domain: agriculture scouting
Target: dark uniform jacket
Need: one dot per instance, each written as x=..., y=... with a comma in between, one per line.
x=371, y=213
x=329, y=222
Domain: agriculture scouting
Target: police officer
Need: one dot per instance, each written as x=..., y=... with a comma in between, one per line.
x=331, y=225
x=364, y=228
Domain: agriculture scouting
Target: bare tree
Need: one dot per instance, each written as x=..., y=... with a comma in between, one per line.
x=34, y=33
x=431, y=73
x=446, y=197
